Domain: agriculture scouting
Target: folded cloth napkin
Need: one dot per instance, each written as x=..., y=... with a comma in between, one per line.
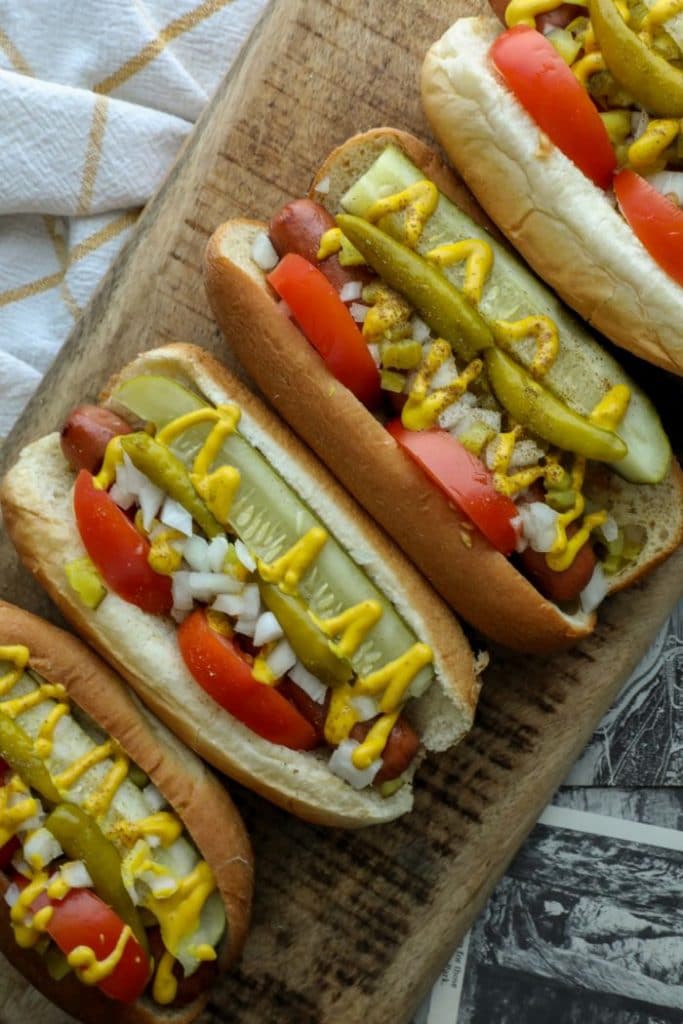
x=96, y=99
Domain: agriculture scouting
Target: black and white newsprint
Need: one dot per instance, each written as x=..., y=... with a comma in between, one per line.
x=585, y=928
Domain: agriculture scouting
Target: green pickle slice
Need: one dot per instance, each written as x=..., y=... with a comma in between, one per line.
x=583, y=372
x=269, y=518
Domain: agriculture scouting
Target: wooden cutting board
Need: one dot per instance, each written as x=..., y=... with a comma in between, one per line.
x=347, y=927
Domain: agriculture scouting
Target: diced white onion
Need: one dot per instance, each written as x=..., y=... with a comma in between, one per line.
x=309, y=683
x=244, y=556
x=595, y=590
x=161, y=886
x=351, y=290
x=283, y=308
x=267, y=629
x=76, y=875
x=374, y=352
x=539, y=522
x=196, y=554
x=420, y=330
x=525, y=453
x=610, y=530
x=359, y=312
x=205, y=584
x=263, y=252
x=176, y=517
x=218, y=549
x=341, y=764
x=149, y=496
x=12, y=894
x=366, y=707
x=323, y=185
x=124, y=499
x=281, y=659
x=181, y=591
x=229, y=604
x=41, y=848
x=454, y=413
x=639, y=122
x=669, y=183
x=20, y=865
x=522, y=543
x=252, y=601
x=245, y=626
x=153, y=798
x=446, y=373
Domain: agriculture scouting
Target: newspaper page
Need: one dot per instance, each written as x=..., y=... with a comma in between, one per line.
x=585, y=928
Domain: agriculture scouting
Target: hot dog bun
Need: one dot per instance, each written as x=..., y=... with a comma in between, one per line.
x=144, y=648
x=480, y=583
x=561, y=223
x=197, y=797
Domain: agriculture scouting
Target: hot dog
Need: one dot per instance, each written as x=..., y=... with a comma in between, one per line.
x=580, y=166
x=493, y=382
x=275, y=617
x=125, y=871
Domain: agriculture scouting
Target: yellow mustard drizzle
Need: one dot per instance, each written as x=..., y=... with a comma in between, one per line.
x=389, y=313
x=644, y=153
x=524, y=12
x=113, y=457
x=418, y=201
x=611, y=409
x=165, y=986
x=512, y=483
x=163, y=557
x=375, y=741
x=542, y=329
x=90, y=970
x=393, y=679
x=423, y=408
x=564, y=549
x=12, y=817
x=658, y=14
x=166, y=827
x=18, y=656
x=288, y=569
x=351, y=626
x=341, y=716
x=189, y=895
x=334, y=241
x=478, y=257
x=178, y=915
x=587, y=66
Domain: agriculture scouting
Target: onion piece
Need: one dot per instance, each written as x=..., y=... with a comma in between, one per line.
x=341, y=764
x=351, y=291
x=420, y=329
x=281, y=659
x=309, y=683
x=175, y=516
x=245, y=556
x=181, y=592
x=539, y=522
x=41, y=848
x=12, y=894
x=229, y=604
x=245, y=626
x=155, y=801
x=669, y=183
x=218, y=549
x=252, y=601
x=359, y=312
x=367, y=707
x=267, y=629
x=323, y=185
x=609, y=529
x=196, y=554
x=595, y=590
x=76, y=875
x=263, y=252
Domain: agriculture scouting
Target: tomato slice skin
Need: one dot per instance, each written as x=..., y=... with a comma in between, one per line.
x=118, y=550
x=654, y=219
x=328, y=325
x=83, y=919
x=552, y=95
x=464, y=479
x=219, y=667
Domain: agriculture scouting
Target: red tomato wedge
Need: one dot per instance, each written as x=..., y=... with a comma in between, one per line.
x=655, y=220
x=118, y=550
x=552, y=95
x=464, y=479
x=220, y=668
x=328, y=325
x=83, y=919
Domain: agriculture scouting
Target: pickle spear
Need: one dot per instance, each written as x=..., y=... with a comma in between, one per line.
x=583, y=372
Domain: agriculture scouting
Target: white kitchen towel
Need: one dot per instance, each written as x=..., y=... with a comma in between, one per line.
x=96, y=98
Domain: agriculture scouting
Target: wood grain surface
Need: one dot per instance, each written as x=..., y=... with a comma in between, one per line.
x=347, y=927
